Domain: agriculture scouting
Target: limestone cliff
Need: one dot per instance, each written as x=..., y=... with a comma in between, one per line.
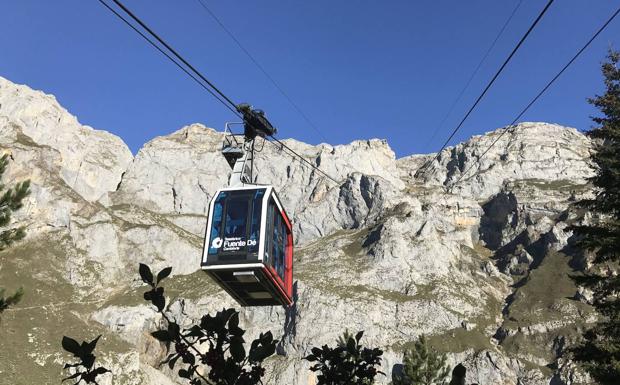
x=480, y=267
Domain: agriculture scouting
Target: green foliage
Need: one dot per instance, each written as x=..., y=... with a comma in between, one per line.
x=349, y=363
x=10, y=201
x=84, y=369
x=226, y=356
x=10, y=300
x=422, y=365
x=600, y=352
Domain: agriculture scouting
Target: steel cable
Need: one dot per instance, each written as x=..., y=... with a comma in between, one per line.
x=214, y=91
x=542, y=91
x=488, y=86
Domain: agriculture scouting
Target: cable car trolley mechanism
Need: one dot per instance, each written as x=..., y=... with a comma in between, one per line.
x=248, y=248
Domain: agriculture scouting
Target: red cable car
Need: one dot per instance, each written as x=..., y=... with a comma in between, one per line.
x=248, y=248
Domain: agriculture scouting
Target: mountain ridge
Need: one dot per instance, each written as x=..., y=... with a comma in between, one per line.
x=384, y=251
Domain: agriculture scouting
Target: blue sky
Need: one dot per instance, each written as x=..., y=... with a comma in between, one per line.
x=359, y=69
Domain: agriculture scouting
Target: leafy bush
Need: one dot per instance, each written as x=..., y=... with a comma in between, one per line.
x=225, y=356
x=85, y=369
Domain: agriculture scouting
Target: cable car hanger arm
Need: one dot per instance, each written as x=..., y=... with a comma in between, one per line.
x=220, y=96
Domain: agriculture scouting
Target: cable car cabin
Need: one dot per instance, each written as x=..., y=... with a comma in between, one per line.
x=248, y=246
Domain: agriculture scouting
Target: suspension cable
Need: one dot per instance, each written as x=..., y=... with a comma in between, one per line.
x=263, y=70
x=473, y=74
x=488, y=86
x=294, y=153
x=214, y=91
x=175, y=53
x=166, y=55
x=542, y=91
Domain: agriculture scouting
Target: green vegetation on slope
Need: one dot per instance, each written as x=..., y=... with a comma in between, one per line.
x=31, y=331
x=545, y=313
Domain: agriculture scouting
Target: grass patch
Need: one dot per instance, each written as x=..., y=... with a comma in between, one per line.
x=546, y=294
x=128, y=217
x=32, y=330
x=193, y=286
x=459, y=340
x=31, y=351
x=554, y=185
x=354, y=250
x=37, y=265
x=544, y=301
x=528, y=348
x=324, y=273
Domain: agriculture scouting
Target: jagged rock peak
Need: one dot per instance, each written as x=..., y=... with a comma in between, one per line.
x=91, y=161
x=528, y=150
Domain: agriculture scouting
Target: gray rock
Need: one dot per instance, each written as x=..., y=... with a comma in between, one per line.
x=381, y=250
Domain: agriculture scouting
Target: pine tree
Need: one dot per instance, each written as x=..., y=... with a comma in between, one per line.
x=10, y=201
x=600, y=351
x=6, y=302
x=422, y=365
x=349, y=363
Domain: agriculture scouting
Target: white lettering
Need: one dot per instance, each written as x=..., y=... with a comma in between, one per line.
x=234, y=244
x=217, y=243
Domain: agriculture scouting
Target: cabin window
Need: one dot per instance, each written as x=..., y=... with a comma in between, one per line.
x=276, y=240
x=236, y=224
x=268, y=256
x=236, y=218
x=257, y=204
x=280, y=240
x=216, y=225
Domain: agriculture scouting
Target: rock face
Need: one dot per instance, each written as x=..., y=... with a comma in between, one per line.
x=480, y=266
x=91, y=162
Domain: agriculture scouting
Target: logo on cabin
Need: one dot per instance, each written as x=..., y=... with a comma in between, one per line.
x=233, y=244
x=217, y=243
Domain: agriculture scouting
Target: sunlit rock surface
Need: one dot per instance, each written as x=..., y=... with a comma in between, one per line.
x=479, y=266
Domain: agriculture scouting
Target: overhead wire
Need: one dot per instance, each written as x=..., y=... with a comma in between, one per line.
x=214, y=91
x=473, y=74
x=263, y=70
x=165, y=54
x=174, y=52
x=540, y=93
x=488, y=86
x=294, y=153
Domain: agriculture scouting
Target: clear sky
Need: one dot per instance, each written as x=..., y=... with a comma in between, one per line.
x=359, y=69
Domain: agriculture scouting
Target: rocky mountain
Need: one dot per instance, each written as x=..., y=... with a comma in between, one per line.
x=481, y=266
